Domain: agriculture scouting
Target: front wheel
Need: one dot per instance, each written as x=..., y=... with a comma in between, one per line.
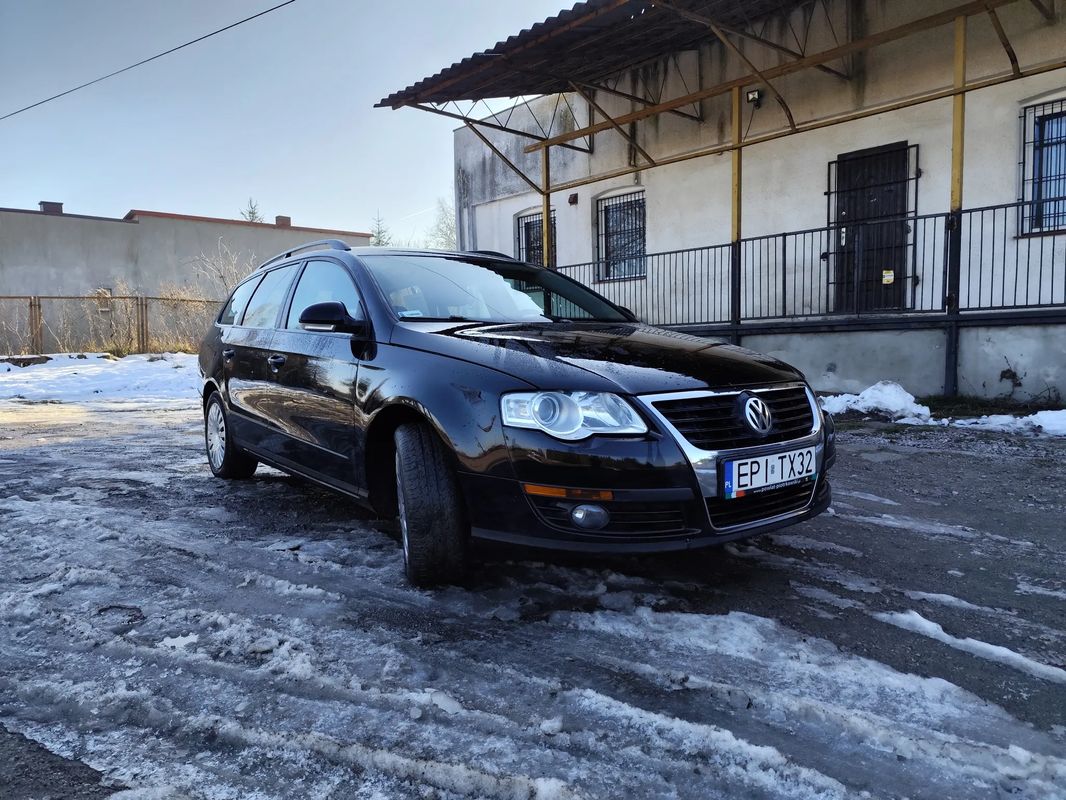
x=226, y=459
x=433, y=525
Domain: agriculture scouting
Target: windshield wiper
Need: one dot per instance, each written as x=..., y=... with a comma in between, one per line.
x=450, y=318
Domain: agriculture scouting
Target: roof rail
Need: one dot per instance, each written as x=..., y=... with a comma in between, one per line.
x=494, y=253
x=320, y=244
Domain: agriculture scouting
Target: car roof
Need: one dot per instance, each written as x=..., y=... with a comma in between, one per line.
x=369, y=250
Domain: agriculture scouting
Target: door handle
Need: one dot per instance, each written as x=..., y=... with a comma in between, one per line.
x=275, y=361
x=228, y=354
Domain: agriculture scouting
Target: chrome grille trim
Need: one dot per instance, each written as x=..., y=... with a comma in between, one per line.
x=705, y=462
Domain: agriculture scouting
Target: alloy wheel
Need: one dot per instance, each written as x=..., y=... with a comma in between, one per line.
x=216, y=436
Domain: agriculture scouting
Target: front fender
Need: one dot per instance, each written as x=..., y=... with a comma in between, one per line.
x=460, y=400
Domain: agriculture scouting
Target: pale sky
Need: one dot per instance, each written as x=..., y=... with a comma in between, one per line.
x=279, y=109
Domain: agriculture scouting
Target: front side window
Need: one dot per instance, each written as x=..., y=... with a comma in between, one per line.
x=1044, y=168
x=622, y=235
x=323, y=282
x=266, y=302
x=237, y=301
x=457, y=288
x=530, y=235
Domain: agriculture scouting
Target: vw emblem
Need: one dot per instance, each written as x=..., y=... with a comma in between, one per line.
x=757, y=415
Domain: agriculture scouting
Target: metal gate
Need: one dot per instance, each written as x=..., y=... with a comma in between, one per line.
x=868, y=206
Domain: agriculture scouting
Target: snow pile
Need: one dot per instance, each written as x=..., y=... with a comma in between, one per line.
x=1051, y=423
x=885, y=397
x=895, y=402
x=169, y=379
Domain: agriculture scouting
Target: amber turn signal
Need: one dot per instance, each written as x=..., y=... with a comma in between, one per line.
x=567, y=494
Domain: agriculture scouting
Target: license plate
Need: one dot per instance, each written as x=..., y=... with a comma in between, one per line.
x=750, y=475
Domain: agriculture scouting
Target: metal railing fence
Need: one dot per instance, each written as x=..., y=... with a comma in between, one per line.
x=102, y=323
x=972, y=260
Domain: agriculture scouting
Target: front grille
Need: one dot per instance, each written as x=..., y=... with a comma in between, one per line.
x=632, y=519
x=755, y=507
x=713, y=423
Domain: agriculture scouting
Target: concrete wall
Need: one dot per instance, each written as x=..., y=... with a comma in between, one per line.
x=1022, y=362
x=50, y=254
x=849, y=362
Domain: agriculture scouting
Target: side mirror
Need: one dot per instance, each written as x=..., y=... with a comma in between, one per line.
x=331, y=317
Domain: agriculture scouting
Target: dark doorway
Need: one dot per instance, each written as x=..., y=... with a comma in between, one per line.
x=869, y=230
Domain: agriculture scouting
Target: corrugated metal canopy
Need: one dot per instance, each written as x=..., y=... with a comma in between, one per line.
x=589, y=42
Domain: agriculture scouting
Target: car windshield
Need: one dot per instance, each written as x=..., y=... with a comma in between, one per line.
x=466, y=288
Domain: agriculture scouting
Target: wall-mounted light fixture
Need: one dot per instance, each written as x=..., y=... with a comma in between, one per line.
x=755, y=97
x=572, y=199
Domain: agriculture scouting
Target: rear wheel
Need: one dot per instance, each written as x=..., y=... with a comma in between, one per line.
x=226, y=459
x=433, y=526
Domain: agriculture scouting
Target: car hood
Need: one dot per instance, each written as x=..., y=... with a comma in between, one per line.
x=629, y=357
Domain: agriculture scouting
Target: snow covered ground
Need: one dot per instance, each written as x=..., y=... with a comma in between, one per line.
x=894, y=401
x=95, y=380
x=194, y=638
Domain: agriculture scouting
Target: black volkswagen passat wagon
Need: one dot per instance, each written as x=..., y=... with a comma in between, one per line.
x=471, y=395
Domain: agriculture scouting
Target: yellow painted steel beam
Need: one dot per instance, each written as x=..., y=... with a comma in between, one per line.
x=1004, y=41
x=889, y=35
x=958, y=115
x=738, y=152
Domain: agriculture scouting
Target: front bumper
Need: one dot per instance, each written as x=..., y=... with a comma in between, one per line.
x=665, y=491
x=501, y=512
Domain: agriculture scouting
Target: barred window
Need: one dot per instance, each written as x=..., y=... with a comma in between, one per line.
x=622, y=235
x=529, y=239
x=1044, y=168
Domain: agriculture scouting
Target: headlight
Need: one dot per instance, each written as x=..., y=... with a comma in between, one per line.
x=571, y=415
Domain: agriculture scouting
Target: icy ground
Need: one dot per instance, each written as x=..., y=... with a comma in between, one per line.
x=194, y=638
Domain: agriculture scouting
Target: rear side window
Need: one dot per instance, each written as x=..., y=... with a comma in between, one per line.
x=237, y=301
x=267, y=300
x=323, y=282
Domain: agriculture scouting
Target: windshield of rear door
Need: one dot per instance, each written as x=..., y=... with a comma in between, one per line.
x=460, y=288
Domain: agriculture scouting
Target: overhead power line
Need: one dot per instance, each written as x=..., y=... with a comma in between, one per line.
x=145, y=61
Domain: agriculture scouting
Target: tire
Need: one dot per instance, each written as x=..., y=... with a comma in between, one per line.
x=433, y=524
x=225, y=458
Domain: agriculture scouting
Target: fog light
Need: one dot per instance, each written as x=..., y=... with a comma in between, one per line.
x=590, y=517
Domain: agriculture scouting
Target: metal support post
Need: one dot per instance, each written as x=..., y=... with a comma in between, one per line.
x=36, y=322
x=954, y=222
x=546, y=207
x=736, y=226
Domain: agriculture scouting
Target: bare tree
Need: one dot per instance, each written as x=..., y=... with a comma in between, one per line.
x=442, y=234
x=251, y=211
x=379, y=233
x=217, y=273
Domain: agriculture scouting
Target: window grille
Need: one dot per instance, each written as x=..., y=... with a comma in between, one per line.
x=622, y=236
x=530, y=239
x=1043, y=168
